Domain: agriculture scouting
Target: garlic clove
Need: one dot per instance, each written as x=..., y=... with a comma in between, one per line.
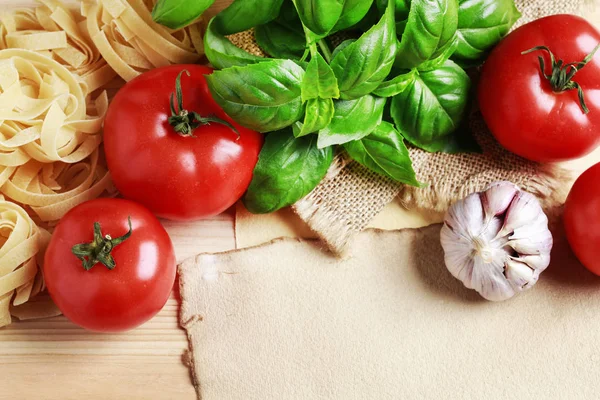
x=489, y=280
x=537, y=242
x=467, y=218
x=498, y=196
x=523, y=210
x=520, y=275
x=537, y=261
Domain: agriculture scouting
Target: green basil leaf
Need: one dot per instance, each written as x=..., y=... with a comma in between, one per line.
x=341, y=47
x=242, y=15
x=319, y=113
x=384, y=152
x=223, y=54
x=352, y=120
x=319, y=16
x=264, y=97
x=429, y=31
x=283, y=37
x=364, y=64
x=395, y=85
x=280, y=41
x=402, y=8
x=287, y=170
x=176, y=14
x=441, y=59
x=352, y=13
x=481, y=25
x=431, y=109
x=319, y=80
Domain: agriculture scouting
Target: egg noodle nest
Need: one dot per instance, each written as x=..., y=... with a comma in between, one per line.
x=59, y=67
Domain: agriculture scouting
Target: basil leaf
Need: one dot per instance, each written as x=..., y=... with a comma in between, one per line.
x=364, y=64
x=429, y=31
x=319, y=80
x=341, y=47
x=395, y=85
x=384, y=152
x=481, y=25
x=222, y=53
x=319, y=113
x=352, y=120
x=242, y=15
x=288, y=169
x=280, y=41
x=430, y=110
x=264, y=97
x=176, y=14
x=352, y=13
x=319, y=16
x=402, y=8
x=441, y=59
x=283, y=37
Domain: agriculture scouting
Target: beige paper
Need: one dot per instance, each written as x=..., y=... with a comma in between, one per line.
x=288, y=321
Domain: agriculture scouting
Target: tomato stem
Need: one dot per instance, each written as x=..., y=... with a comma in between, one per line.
x=183, y=121
x=99, y=250
x=561, y=78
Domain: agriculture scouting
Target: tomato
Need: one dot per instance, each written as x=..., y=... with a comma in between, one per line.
x=520, y=106
x=177, y=176
x=582, y=219
x=103, y=299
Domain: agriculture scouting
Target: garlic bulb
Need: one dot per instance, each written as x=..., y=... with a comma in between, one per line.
x=497, y=241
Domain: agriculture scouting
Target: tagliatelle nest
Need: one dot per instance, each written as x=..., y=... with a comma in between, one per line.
x=59, y=66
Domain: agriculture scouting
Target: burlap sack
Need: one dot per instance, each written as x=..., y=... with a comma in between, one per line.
x=351, y=195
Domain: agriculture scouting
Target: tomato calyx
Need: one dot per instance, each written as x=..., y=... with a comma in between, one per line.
x=183, y=121
x=561, y=78
x=99, y=250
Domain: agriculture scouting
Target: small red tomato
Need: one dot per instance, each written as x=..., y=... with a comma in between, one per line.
x=182, y=160
x=105, y=274
x=582, y=218
x=539, y=114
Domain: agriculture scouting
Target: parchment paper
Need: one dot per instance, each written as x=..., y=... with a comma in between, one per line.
x=288, y=321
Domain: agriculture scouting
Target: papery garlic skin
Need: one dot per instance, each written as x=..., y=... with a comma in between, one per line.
x=497, y=241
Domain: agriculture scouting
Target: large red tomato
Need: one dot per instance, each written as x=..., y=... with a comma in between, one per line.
x=103, y=278
x=179, y=176
x=528, y=114
x=582, y=218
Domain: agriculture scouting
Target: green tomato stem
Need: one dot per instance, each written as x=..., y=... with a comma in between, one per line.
x=561, y=78
x=99, y=250
x=183, y=121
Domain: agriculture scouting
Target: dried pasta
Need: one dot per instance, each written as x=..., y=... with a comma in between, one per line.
x=48, y=141
x=54, y=30
x=21, y=241
x=132, y=43
x=59, y=67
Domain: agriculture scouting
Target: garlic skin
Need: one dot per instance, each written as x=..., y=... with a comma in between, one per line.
x=497, y=241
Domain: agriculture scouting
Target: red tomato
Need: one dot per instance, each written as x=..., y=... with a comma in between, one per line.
x=103, y=299
x=176, y=177
x=519, y=104
x=582, y=218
